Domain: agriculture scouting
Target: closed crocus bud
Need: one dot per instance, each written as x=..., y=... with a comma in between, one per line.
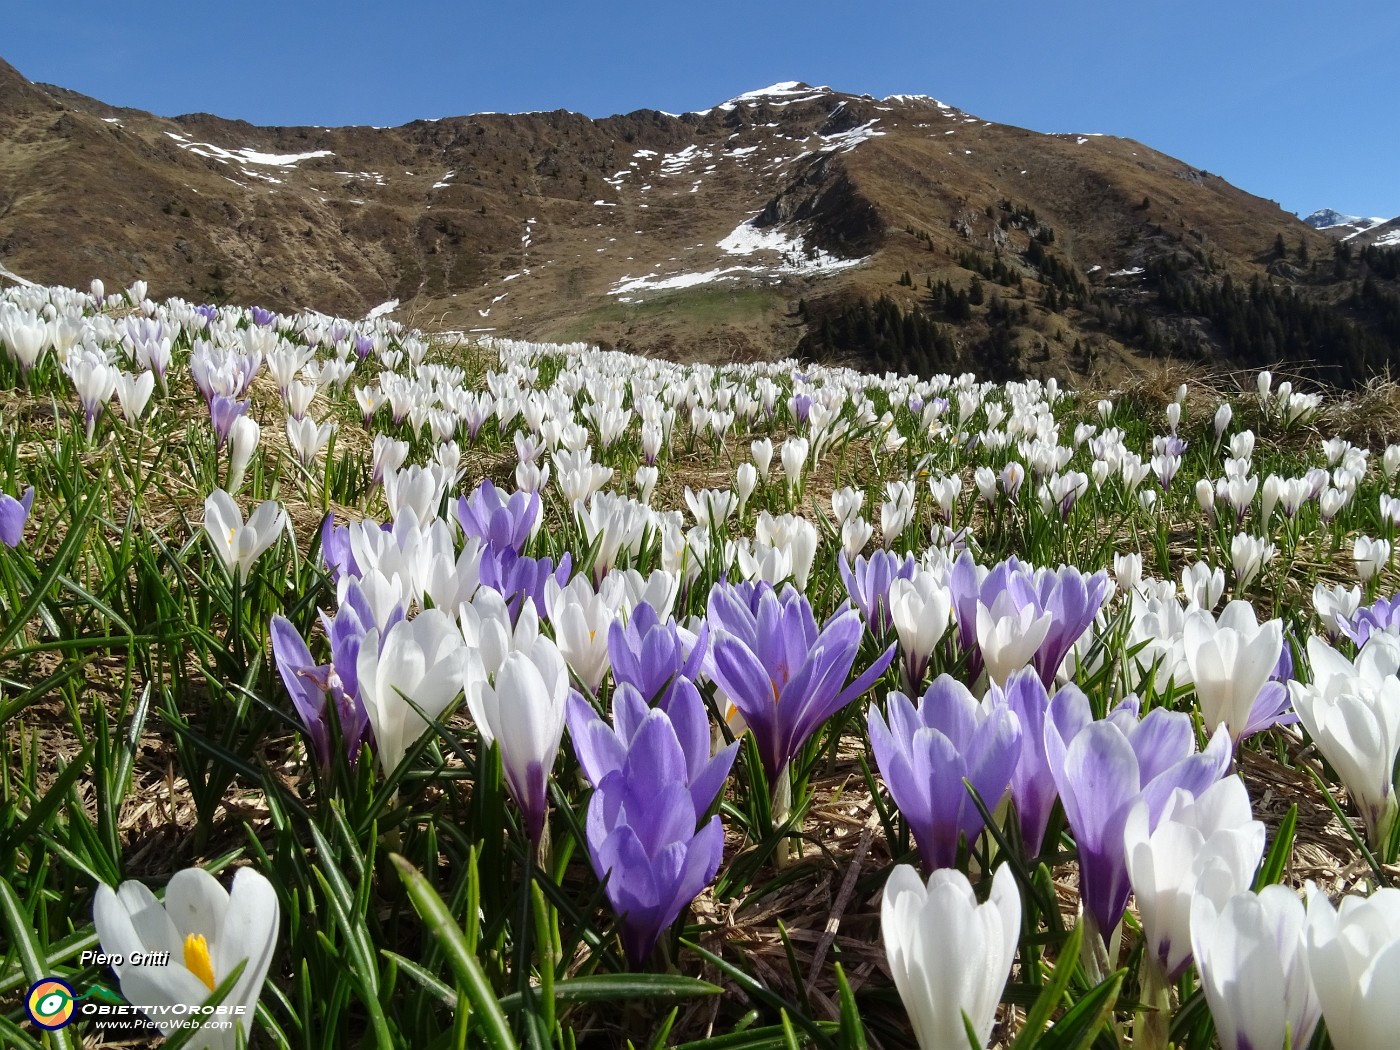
x=921, y=609
x=762, y=450
x=1008, y=637
x=1105, y=409
x=522, y=711
x=1390, y=461
x=13, y=514
x=855, y=534
x=1354, y=957
x=1231, y=660
x=1223, y=415
x=745, y=481
x=1351, y=709
x=1370, y=556
x=1205, y=496
x=794, y=459
x=1210, y=841
x=949, y=956
x=1254, y=969
x=1173, y=415
x=1248, y=554
x=1127, y=570
x=1264, y=383
x=645, y=479
x=244, y=435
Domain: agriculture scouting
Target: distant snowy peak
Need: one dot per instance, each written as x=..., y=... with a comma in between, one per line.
x=1347, y=226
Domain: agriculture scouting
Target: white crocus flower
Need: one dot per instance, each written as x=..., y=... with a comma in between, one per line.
x=921, y=609
x=1209, y=843
x=237, y=544
x=1231, y=660
x=1008, y=636
x=522, y=711
x=307, y=439
x=1370, y=556
x=1254, y=969
x=1354, y=956
x=243, y=438
x=1352, y=711
x=207, y=931
x=420, y=660
x=949, y=955
x=581, y=618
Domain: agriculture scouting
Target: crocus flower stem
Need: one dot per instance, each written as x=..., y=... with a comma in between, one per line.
x=782, y=809
x=1153, y=1022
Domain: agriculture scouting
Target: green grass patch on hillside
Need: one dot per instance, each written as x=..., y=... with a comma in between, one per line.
x=705, y=306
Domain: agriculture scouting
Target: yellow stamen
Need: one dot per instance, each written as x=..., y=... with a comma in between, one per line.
x=197, y=959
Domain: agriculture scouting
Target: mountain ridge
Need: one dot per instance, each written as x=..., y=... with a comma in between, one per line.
x=748, y=229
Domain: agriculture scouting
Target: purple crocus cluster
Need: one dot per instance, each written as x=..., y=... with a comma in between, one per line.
x=504, y=524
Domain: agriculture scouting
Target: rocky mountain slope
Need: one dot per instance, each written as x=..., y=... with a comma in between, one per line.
x=898, y=232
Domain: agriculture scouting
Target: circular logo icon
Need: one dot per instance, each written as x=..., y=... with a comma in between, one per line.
x=50, y=1003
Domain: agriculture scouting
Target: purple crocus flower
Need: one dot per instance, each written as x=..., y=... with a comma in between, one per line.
x=209, y=313
x=801, y=406
x=300, y=674
x=309, y=683
x=1071, y=598
x=642, y=838
x=363, y=345
x=869, y=585
x=1382, y=615
x=655, y=657
x=222, y=412
x=499, y=522
x=262, y=318
x=1032, y=782
x=517, y=576
x=13, y=514
x=926, y=753
x=1102, y=767
x=603, y=748
x=783, y=674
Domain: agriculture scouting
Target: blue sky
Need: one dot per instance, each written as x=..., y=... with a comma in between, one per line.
x=1297, y=102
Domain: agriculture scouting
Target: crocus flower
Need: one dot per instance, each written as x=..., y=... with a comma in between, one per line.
x=1032, y=782
x=238, y=545
x=925, y=753
x=1212, y=841
x=921, y=610
x=13, y=515
x=207, y=931
x=784, y=674
x=1231, y=661
x=870, y=582
x=1381, y=615
x=299, y=673
x=521, y=709
x=419, y=660
x=1354, y=957
x=1254, y=969
x=497, y=520
x=520, y=578
x=1352, y=710
x=949, y=956
x=603, y=748
x=1102, y=767
x=642, y=838
x=653, y=656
